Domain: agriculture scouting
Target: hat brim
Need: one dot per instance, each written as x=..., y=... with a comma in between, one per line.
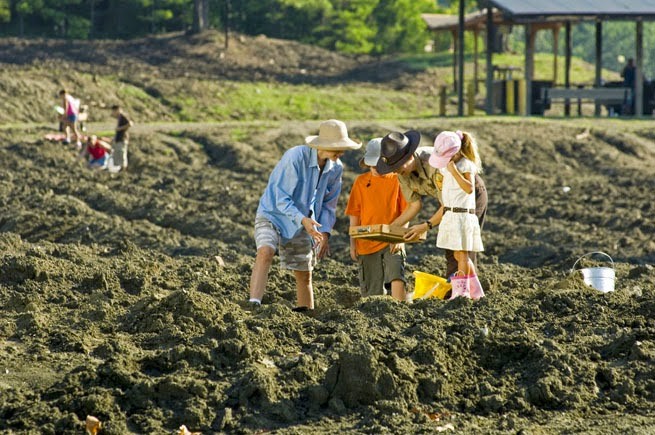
x=414, y=138
x=365, y=162
x=344, y=144
x=439, y=162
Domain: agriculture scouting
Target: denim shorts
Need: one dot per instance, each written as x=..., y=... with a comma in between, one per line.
x=98, y=162
x=72, y=118
x=295, y=254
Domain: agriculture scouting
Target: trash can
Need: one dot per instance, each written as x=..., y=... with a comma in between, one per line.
x=499, y=96
x=539, y=106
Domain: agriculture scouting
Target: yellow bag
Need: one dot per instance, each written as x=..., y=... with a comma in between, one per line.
x=427, y=285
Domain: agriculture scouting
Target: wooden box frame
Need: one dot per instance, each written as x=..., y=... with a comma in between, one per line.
x=382, y=233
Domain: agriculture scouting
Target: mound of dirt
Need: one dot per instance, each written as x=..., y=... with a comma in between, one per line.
x=203, y=56
x=113, y=303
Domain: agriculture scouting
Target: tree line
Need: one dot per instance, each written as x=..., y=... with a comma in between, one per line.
x=352, y=26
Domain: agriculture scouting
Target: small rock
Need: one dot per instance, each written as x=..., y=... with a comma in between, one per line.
x=185, y=431
x=220, y=260
x=639, y=271
x=93, y=425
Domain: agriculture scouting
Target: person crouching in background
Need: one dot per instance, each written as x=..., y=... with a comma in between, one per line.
x=96, y=152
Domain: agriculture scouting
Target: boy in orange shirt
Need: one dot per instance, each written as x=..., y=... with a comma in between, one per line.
x=377, y=199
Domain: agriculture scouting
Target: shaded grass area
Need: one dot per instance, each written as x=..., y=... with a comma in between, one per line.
x=582, y=72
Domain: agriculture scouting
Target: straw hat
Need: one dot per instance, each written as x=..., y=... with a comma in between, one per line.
x=332, y=136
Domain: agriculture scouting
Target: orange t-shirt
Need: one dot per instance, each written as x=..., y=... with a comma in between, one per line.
x=375, y=200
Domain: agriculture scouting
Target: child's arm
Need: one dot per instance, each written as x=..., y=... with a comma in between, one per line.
x=104, y=144
x=465, y=180
x=354, y=221
x=436, y=218
x=126, y=126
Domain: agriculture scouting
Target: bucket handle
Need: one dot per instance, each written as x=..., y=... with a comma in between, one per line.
x=591, y=253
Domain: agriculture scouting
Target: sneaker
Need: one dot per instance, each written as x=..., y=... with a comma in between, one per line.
x=302, y=309
x=250, y=305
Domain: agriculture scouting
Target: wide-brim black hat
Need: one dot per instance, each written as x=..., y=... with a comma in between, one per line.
x=396, y=149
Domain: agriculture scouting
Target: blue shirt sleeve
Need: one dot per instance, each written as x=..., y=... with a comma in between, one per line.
x=327, y=217
x=287, y=177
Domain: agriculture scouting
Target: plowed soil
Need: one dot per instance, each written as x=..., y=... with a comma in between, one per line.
x=122, y=295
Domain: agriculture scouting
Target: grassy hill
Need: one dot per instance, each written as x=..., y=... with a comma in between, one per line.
x=192, y=78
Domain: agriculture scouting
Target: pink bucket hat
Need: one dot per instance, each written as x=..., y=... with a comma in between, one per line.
x=446, y=145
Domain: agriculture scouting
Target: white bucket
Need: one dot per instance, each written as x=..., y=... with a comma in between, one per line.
x=600, y=278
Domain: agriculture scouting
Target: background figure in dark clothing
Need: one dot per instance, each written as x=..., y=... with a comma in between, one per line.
x=629, y=75
x=121, y=138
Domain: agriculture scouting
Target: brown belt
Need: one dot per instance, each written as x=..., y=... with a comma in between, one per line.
x=460, y=210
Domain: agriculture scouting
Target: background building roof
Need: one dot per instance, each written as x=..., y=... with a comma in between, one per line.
x=529, y=10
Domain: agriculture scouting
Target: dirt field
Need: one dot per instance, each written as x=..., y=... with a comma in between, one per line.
x=113, y=303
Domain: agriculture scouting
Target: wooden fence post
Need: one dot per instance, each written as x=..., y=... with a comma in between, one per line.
x=522, y=103
x=509, y=97
x=442, y=101
x=470, y=98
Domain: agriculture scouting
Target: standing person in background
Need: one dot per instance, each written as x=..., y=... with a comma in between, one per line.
x=297, y=211
x=71, y=106
x=629, y=75
x=377, y=199
x=121, y=138
x=400, y=153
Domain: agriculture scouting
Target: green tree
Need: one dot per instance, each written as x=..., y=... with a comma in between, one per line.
x=5, y=11
x=286, y=19
x=400, y=27
x=349, y=26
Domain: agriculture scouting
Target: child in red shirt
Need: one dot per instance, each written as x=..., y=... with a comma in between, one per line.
x=96, y=152
x=377, y=199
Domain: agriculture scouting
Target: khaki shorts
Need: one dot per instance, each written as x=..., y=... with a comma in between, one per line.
x=120, y=153
x=296, y=254
x=377, y=270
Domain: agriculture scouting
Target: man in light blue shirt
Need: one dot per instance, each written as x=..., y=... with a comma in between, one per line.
x=297, y=211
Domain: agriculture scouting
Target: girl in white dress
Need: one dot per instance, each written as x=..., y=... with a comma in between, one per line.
x=456, y=156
